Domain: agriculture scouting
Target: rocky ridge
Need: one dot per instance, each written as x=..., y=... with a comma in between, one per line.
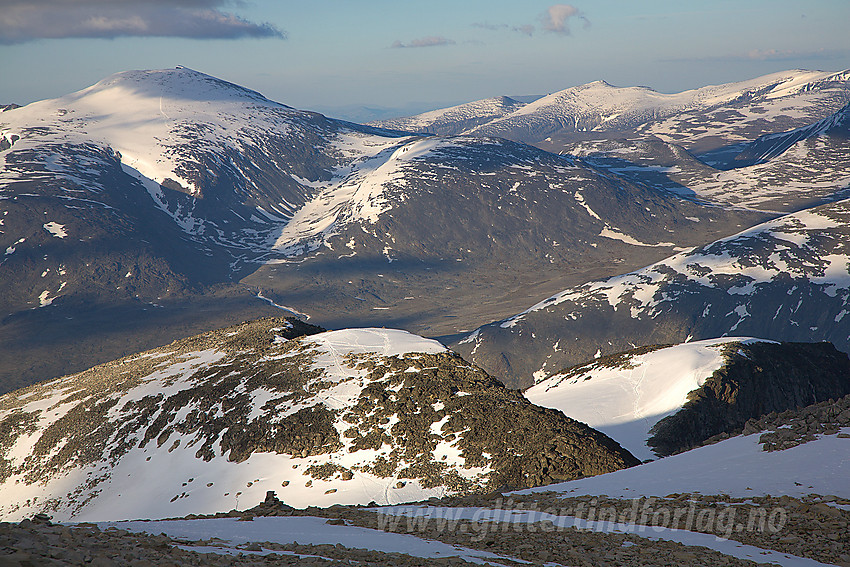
x=342, y=416
x=758, y=378
x=793, y=427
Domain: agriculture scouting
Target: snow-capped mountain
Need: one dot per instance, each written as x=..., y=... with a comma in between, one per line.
x=785, y=171
x=787, y=279
x=659, y=400
x=463, y=218
x=228, y=165
x=456, y=119
x=348, y=416
x=741, y=112
x=767, y=147
x=700, y=119
x=175, y=198
x=720, y=144
x=128, y=200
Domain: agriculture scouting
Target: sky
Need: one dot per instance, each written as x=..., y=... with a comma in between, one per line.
x=336, y=56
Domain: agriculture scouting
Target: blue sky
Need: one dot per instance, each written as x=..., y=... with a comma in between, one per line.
x=325, y=54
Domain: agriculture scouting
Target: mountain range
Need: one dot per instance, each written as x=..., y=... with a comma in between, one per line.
x=649, y=289
x=700, y=120
x=182, y=203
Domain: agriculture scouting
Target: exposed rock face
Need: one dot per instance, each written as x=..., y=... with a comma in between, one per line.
x=757, y=379
x=792, y=428
x=243, y=410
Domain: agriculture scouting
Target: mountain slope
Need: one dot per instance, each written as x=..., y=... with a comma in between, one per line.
x=785, y=171
x=665, y=399
x=227, y=165
x=770, y=146
x=787, y=279
x=513, y=221
x=130, y=209
x=626, y=394
x=717, y=143
x=456, y=119
x=739, y=467
x=344, y=416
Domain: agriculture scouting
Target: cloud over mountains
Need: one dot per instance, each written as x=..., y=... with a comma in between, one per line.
x=557, y=18
x=27, y=20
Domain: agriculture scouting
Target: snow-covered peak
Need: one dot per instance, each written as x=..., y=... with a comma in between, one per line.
x=174, y=84
x=602, y=106
x=134, y=99
x=147, y=116
x=359, y=193
x=194, y=135
x=625, y=395
x=456, y=119
x=381, y=342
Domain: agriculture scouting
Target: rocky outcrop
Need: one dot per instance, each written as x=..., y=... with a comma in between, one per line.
x=496, y=428
x=757, y=379
x=791, y=428
x=344, y=416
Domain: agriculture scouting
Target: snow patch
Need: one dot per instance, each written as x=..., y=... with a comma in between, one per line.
x=56, y=229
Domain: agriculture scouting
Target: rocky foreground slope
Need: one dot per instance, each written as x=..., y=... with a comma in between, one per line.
x=216, y=420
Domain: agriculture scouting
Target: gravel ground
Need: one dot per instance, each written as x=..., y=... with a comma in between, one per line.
x=41, y=544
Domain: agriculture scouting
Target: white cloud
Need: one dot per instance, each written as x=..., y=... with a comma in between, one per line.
x=26, y=20
x=556, y=19
x=430, y=41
